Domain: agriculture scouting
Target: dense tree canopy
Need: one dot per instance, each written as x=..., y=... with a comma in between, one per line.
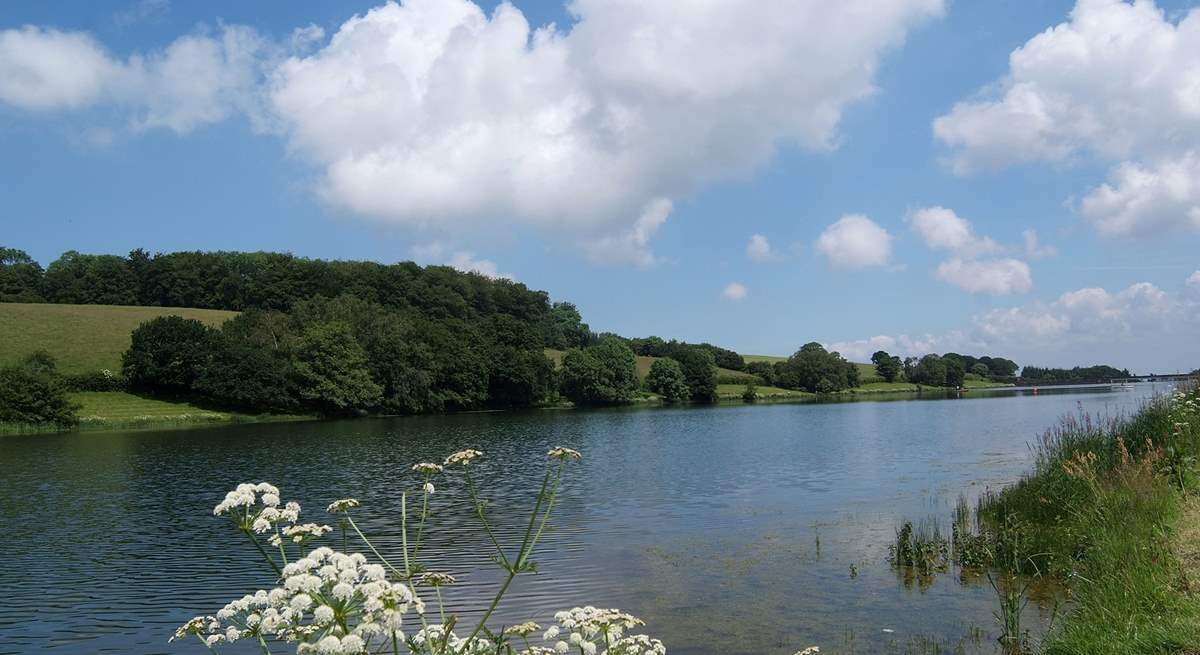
x=603, y=374
x=667, y=380
x=168, y=353
x=888, y=366
x=1098, y=373
x=20, y=277
x=817, y=370
x=32, y=392
x=699, y=370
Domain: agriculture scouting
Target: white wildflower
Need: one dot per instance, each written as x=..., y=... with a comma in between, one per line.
x=427, y=468
x=564, y=454
x=341, y=505
x=464, y=457
x=428, y=487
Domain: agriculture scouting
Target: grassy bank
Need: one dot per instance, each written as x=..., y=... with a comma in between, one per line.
x=82, y=338
x=116, y=410
x=1104, y=510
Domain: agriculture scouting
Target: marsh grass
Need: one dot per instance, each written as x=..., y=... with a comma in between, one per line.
x=922, y=549
x=1098, y=512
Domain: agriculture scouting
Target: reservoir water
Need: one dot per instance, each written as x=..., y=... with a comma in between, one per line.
x=729, y=529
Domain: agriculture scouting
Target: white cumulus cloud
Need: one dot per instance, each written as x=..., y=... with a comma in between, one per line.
x=997, y=277
x=433, y=113
x=1119, y=82
x=734, y=291
x=759, y=249
x=942, y=229
x=1083, y=326
x=855, y=241
x=1140, y=200
x=197, y=79
x=1034, y=248
x=464, y=260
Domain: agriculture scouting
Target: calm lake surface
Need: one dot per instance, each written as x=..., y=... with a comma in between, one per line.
x=729, y=529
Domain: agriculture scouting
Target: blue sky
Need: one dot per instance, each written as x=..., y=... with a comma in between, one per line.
x=116, y=138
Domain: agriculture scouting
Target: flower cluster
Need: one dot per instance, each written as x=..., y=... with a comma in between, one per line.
x=256, y=508
x=588, y=629
x=464, y=457
x=329, y=602
x=341, y=505
x=427, y=468
x=563, y=454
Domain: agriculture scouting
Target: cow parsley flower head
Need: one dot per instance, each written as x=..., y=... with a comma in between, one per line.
x=464, y=457
x=563, y=454
x=435, y=579
x=522, y=629
x=428, y=488
x=341, y=505
x=305, y=532
x=197, y=626
x=811, y=650
x=427, y=468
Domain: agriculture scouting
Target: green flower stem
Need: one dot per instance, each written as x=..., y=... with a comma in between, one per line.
x=383, y=559
x=421, y=525
x=482, y=517
x=523, y=556
x=262, y=551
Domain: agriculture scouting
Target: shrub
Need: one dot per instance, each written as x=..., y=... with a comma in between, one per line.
x=167, y=353
x=31, y=392
x=104, y=380
x=605, y=373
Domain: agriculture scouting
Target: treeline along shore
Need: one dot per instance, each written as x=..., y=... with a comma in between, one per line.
x=345, y=338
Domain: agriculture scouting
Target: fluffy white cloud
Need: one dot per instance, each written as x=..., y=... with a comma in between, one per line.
x=1143, y=200
x=433, y=113
x=759, y=249
x=855, y=241
x=997, y=277
x=198, y=79
x=1034, y=249
x=1118, y=81
x=47, y=69
x=1087, y=325
x=942, y=229
x=734, y=291
x=463, y=260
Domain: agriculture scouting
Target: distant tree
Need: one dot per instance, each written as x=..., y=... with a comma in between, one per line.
x=667, y=380
x=1001, y=367
x=764, y=370
x=32, y=392
x=750, y=393
x=955, y=372
x=649, y=347
x=699, y=370
x=89, y=279
x=167, y=353
x=331, y=370
x=565, y=328
x=20, y=277
x=817, y=370
x=930, y=371
x=519, y=374
x=981, y=369
x=603, y=374
x=243, y=374
x=889, y=367
x=725, y=358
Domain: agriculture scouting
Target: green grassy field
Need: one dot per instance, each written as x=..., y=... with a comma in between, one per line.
x=735, y=391
x=82, y=338
x=117, y=410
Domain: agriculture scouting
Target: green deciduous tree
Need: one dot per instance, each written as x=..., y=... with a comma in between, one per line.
x=167, y=353
x=331, y=370
x=667, y=380
x=32, y=392
x=699, y=370
x=817, y=370
x=603, y=374
x=20, y=277
x=889, y=367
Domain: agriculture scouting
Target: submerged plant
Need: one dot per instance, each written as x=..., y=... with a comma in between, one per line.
x=332, y=602
x=922, y=549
